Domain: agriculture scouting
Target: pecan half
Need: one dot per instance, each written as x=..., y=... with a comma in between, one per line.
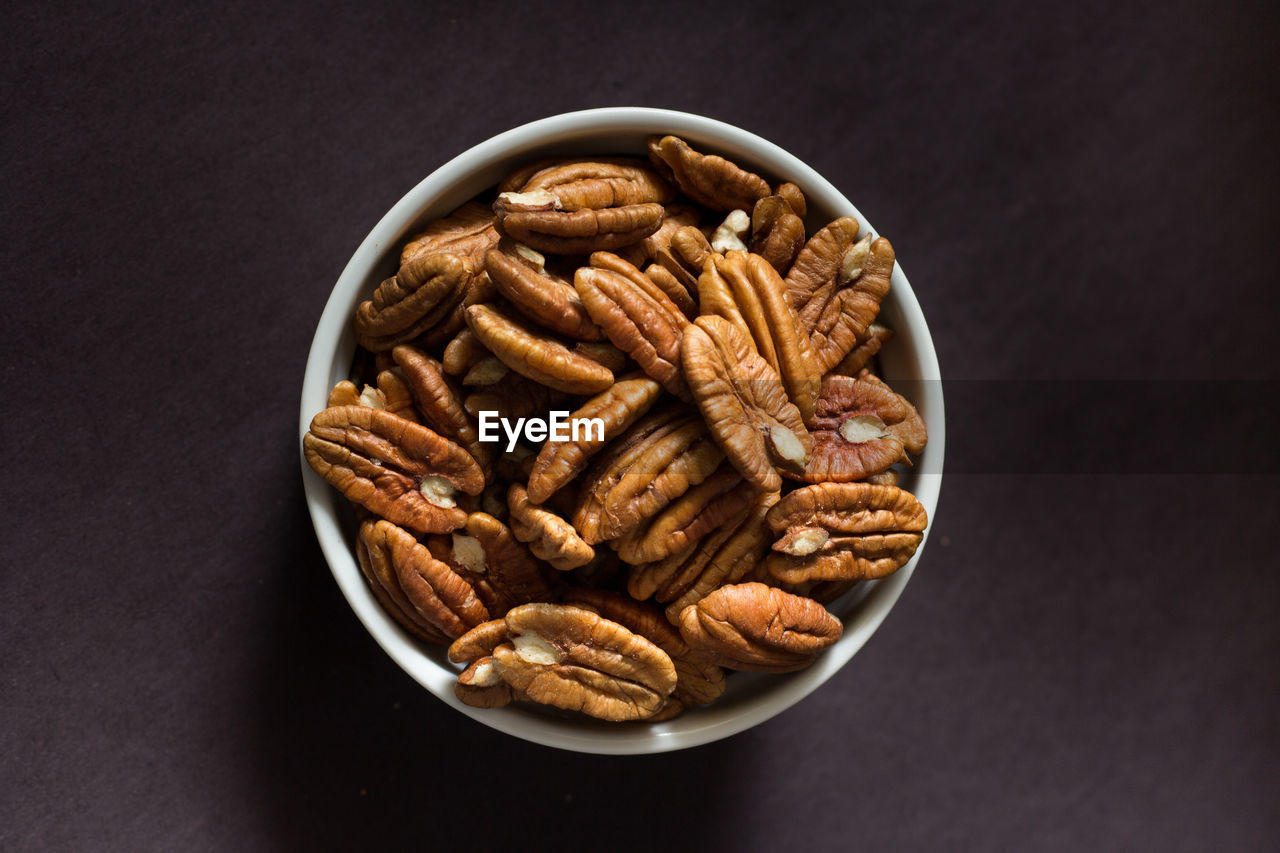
x=435, y=592
x=548, y=536
x=467, y=232
x=573, y=659
x=688, y=518
x=756, y=627
x=845, y=319
x=861, y=427
x=559, y=462
x=415, y=299
x=596, y=184
x=817, y=268
x=438, y=402
x=697, y=681
x=844, y=532
x=536, y=355
x=382, y=581
x=550, y=301
x=686, y=256
x=708, y=179
x=679, y=295
x=777, y=233
x=395, y=468
x=744, y=403
x=392, y=394
x=656, y=461
x=636, y=316
x=535, y=219
x=748, y=292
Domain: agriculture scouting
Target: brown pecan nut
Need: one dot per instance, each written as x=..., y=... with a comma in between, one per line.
x=479, y=642
x=756, y=627
x=744, y=402
x=844, y=532
x=385, y=586
x=559, y=462
x=391, y=394
x=860, y=428
x=679, y=295
x=438, y=402
x=521, y=276
x=636, y=315
x=467, y=232
x=536, y=219
x=868, y=346
x=654, y=462
x=708, y=179
x=573, y=659
x=596, y=184
x=395, y=468
x=727, y=556
x=480, y=686
x=548, y=536
x=846, y=318
x=536, y=355
x=435, y=592
x=463, y=352
x=818, y=267
x=415, y=299
x=697, y=681
x=791, y=194
x=777, y=233
x=688, y=518
x=748, y=292
x=505, y=562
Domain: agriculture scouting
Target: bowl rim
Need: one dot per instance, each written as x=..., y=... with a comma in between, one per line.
x=698, y=726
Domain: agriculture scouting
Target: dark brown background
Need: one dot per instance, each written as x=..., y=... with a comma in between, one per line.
x=1086, y=658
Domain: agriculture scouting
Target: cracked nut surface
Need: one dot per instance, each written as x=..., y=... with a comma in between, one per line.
x=391, y=394
x=392, y=467
x=744, y=402
x=535, y=354
x=480, y=686
x=861, y=427
x=708, y=179
x=489, y=548
x=844, y=532
x=574, y=659
x=752, y=626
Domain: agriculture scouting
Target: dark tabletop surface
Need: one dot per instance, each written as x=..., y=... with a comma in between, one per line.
x=1085, y=198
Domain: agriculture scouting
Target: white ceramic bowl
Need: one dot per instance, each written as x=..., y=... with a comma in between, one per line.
x=908, y=362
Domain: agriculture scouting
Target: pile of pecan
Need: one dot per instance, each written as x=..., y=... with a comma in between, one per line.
x=745, y=474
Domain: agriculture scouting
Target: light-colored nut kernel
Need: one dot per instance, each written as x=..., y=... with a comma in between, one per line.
x=804, y=541
x=439, y=491
x=533, y=256
x=854, y=258
x=863, y=428
x=373, y=398
x=732, y=232
x=534, y=649
x=469, y=553
x=533, y=198
x=486, y=371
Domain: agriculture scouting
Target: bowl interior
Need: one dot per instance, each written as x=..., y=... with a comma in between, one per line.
x=908, y=362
